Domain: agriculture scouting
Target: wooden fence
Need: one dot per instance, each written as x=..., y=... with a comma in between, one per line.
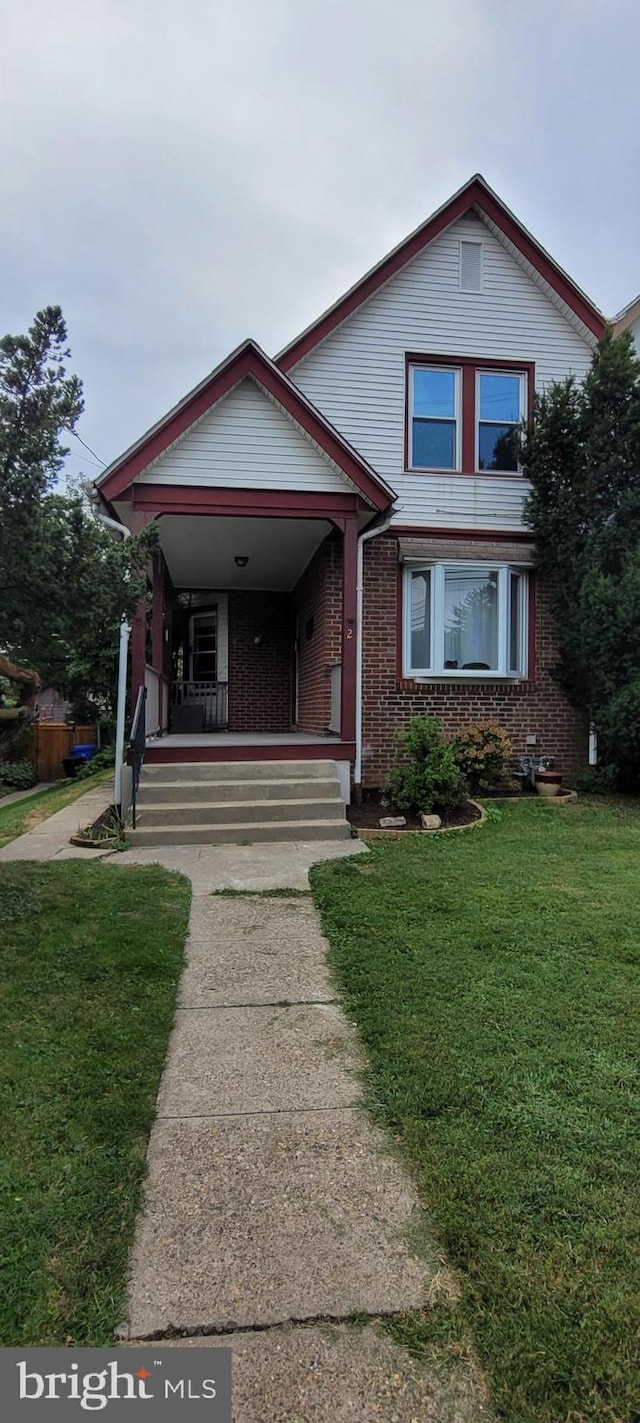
x=50, y=742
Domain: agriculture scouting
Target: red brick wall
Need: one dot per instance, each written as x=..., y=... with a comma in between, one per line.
x=533, y=707
x=260, y=675
x=318, y=601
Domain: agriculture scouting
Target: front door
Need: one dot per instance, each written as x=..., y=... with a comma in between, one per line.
x=204, y=646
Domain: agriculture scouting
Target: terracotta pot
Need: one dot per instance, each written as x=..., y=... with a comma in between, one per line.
x=548, y=783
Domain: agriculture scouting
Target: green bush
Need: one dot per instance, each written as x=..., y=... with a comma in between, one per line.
x=424, y=775
x=17, y=776
x=102, y=761
x=483, y=752
x=598, y=780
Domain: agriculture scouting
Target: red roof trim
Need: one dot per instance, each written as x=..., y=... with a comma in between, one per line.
x=159, y=499
x=248, y=360
x=476, y=193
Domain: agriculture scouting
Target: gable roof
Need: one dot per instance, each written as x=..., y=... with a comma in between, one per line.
x=247, y=360
x=624, y=319
x=476, y=194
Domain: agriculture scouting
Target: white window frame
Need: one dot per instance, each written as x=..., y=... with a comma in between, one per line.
x=522, y=377
x=457, y=416
x=436, y=632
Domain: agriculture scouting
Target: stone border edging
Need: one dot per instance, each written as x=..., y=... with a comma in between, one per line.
x=380, y=834
x=562, y=799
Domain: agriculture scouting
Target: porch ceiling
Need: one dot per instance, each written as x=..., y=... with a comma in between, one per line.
x=200, y=551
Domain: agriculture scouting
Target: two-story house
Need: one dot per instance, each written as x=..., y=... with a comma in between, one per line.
x=342, y=536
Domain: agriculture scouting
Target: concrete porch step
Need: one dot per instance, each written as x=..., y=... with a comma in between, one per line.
x=230, y=834
x=238, y=811
x=163, y=792
x=216, y=771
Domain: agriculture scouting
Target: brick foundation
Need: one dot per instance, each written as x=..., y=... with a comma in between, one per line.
x=260, y=674
x=533, y=707
x=318, y=602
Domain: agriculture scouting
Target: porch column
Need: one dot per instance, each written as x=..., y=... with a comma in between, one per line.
x=139, y=521
x=349, y=613
x=138, y=651
x=157, y=614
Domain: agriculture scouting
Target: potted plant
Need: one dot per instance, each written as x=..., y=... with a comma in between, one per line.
x=547, y=781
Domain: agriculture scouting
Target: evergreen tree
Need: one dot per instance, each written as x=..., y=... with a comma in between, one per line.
x=65, y=580
x=582, y=456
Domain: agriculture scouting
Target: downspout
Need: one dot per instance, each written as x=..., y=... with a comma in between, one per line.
x=125, y=629
x=370, y=533
x=113, y=524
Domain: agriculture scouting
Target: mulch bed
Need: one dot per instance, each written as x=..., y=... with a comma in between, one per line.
x=367, y=816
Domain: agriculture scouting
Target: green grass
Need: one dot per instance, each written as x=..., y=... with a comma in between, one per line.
x=495, y=979
x=26, y=814
x=89, y=964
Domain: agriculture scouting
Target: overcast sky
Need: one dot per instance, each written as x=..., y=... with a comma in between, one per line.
x=180, y=174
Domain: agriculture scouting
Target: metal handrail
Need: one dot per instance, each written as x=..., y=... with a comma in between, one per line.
x=137, y=744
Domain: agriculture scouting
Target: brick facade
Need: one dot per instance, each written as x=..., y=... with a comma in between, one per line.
x=318, y=603
x=532, y=707
x=260, y=673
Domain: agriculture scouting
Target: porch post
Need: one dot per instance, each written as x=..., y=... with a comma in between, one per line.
x=157, y=615
x=139, y=521
x=349, y=614
x=138, y=651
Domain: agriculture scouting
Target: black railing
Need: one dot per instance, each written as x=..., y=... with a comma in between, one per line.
x=137, y=743
x=198, y=706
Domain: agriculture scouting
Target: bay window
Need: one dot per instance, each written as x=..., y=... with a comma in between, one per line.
x=464, y=620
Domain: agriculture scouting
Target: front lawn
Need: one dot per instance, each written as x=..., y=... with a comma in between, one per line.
x=494, y=975
x=89, y=961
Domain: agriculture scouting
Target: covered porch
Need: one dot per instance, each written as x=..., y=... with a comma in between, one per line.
x=246, y=645
x=247, y=641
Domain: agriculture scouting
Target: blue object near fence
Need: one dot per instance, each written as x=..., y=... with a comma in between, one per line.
x=85, y=751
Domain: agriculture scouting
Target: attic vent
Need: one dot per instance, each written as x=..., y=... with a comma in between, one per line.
x=471, y=266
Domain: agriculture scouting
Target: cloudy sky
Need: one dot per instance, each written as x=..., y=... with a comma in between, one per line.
x=179, y=174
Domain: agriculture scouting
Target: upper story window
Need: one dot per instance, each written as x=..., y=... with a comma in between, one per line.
x=500, y=406
x=463, y=619
x=464, y=415
x=435, y=417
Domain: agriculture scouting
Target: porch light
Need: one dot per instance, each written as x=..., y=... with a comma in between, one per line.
x=241, y=560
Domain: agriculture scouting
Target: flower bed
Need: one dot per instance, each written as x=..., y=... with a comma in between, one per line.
x=365, y=818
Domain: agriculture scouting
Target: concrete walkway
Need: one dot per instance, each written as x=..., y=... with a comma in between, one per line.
x=274, y=1210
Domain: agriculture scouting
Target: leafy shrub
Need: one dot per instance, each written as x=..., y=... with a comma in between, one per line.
x=17, y=776
x=424, y=775
x=107, y=731
x=599, y=780
x=102, y=761
x=483, y=752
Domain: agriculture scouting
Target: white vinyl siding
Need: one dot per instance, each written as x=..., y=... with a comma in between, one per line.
x=356, y=377
x=246, y=441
